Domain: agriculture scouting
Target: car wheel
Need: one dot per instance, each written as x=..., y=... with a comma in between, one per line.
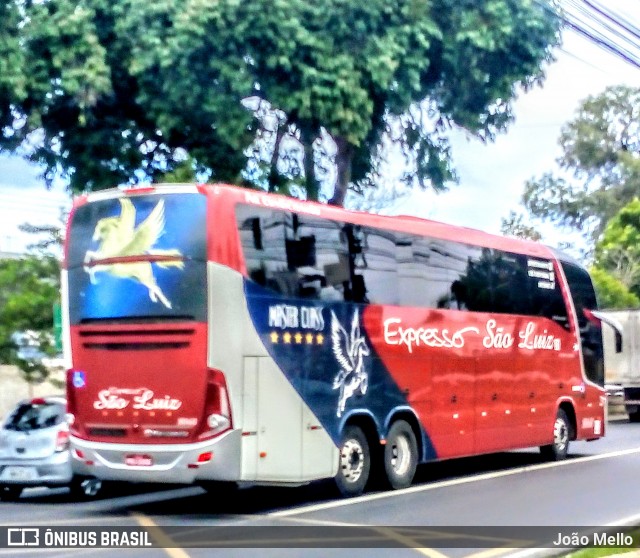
x=558, y=450
x=354, y=462
x=400, y=455
x=10, y=493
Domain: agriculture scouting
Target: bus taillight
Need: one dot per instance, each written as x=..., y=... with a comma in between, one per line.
x=217, y=411
x=71, y=402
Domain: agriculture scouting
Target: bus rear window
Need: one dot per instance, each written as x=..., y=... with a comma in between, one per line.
x=136, y=257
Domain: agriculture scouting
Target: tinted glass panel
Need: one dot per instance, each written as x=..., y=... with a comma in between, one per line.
x=170, y=227
x=305, y=256
x=545, y=292
x=429, y=270
x=584, y=300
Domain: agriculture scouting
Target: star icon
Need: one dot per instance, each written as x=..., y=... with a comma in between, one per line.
x=287, y=337
x=309, y=338
x=298, y=338
x=274, y=337
x=319, y=338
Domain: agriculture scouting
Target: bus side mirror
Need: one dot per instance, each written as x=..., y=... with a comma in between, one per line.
x=618, y=330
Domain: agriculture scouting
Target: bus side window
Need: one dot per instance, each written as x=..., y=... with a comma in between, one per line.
x=262, y=235
x=546, y=294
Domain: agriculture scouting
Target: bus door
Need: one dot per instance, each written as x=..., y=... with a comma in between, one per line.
x=282, y=441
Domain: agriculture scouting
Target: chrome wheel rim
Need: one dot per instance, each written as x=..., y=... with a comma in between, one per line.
x=91, y=487
x=352, y=460
x=400, y=455
x=560, y=435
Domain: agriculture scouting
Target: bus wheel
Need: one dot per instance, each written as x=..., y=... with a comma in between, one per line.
x=355, y=462
x=634, y=416
x=400, y=455
x=561, y=434
x=220, y=488
x=84, y=487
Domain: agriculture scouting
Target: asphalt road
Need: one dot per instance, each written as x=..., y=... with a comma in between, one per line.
x=596, y=486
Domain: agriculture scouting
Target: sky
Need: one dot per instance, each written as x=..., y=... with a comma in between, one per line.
x=492, y=176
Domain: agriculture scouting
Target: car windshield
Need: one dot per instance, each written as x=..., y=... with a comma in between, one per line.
x=32, y=416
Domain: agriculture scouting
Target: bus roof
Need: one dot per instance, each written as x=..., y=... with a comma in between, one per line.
x=401, y=223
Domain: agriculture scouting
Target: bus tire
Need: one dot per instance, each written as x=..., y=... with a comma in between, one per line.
x=634, y=416
x=354, y=463
x=220, y=488
x=10, y=493
x=400, y=455
x=558, y=450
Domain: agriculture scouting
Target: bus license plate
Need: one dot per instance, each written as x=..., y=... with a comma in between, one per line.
x=138, y=460
x=19, y=473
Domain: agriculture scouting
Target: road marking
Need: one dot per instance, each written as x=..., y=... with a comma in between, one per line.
x=66, y=521
x=322, y=522
x=160, y=537
x=11, y=552
x=386, y=532
x=444, y=484
x=408, y=542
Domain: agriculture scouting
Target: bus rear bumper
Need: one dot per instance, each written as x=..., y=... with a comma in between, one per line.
x=170, y=463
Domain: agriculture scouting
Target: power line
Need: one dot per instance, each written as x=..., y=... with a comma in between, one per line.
x=601, y=31
x=604, y=27
x=600, y=25
x=617, y=19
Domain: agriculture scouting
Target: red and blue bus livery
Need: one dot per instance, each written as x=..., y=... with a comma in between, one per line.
x=218, y=334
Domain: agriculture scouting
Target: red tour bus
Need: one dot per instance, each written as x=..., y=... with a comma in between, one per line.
x=219, y=335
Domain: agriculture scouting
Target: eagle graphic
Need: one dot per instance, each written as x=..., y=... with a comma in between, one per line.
x=120, y=238
x=349, y=350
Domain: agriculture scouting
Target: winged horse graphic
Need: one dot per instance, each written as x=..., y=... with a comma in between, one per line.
x=120, y=238
x=349, y=350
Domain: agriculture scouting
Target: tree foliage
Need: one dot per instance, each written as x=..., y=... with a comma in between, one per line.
x=618, y=250
x=601, y=164
x=29, y=286
x=116, y=91
x=612, y=293
x=515, y=225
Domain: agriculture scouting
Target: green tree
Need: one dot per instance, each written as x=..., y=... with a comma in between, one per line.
x=601, y=164
x=29, y=287
x=515, y=225
x=618, y=250
x=612, y=293
x=12, y=76
x=120, y=90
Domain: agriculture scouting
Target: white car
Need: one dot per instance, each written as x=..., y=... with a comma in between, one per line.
x=34, y=450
